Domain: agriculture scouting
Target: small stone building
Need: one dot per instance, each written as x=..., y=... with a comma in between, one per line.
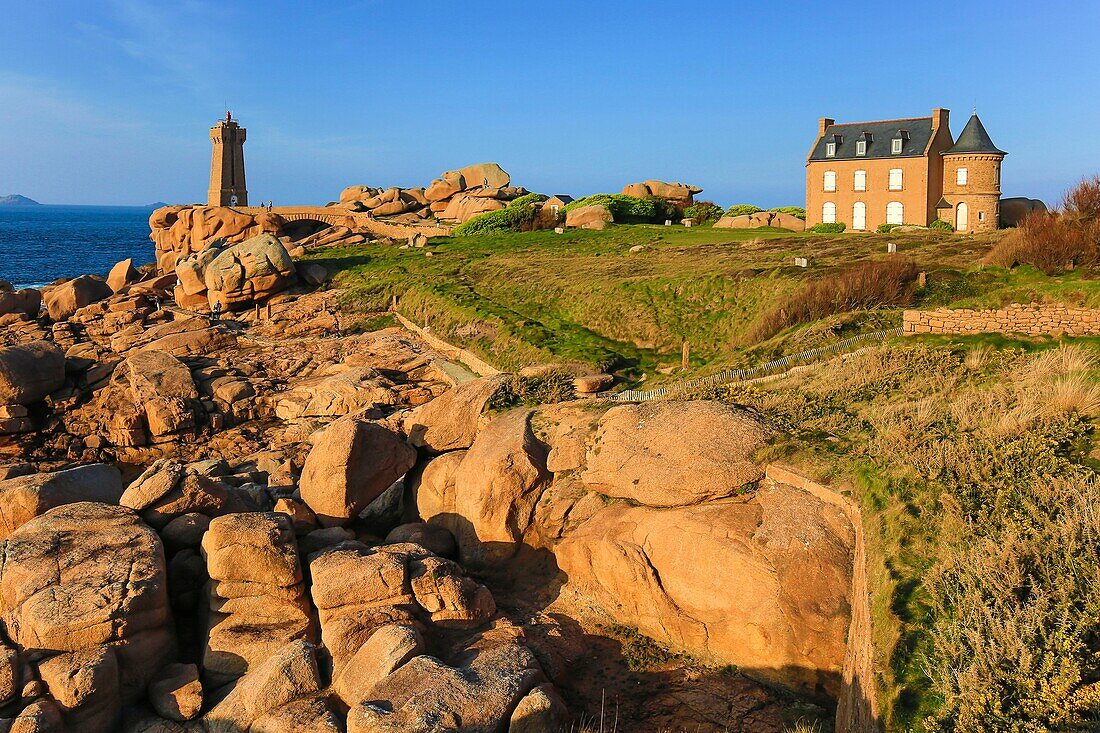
x=905, y=171
x=557, y=202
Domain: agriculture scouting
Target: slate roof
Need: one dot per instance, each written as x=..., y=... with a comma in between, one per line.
x=563, y=197
x=974, y=139
x=882, y=132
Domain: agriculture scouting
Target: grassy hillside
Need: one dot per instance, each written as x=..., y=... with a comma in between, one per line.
x=976, y=469
x=583, y=296
x=974, y=459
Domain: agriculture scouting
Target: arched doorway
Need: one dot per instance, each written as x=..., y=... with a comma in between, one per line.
x=859, y=216
x=895, y=213
x=962, y=213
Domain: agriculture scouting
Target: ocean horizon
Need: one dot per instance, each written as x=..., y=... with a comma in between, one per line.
x=42, y=243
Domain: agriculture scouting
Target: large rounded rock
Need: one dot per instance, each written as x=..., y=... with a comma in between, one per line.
x=351, y=463
x=674, y=453
x=771, y=596
x=497, y=486
x=265, y=699
x=249, y=271
x=490, y=175
x=29, y=372
x=490, y=678
x=27, y=301
x=87, y=575
x=122, y=274
x=596, y=216
x=452, y=420
x=67, y=298
x=1015, y=209
x=25, y=497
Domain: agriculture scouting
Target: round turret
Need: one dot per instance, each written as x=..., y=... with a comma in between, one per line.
x=972, y=181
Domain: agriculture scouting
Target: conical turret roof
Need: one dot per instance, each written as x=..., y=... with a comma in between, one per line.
x=974, y=139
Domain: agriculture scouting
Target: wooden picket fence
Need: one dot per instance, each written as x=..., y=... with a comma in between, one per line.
x=728, y=376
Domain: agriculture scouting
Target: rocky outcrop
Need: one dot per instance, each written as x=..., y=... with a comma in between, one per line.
x=180, y=231
x=23, y=498
x=26, y=302
x=234, y=275
x=771, y=597
x=87, y=581
x=350, y=465
x=29, y=372
x=457, y=195
x=680, y=194
x=63, y=300
x=257, y=597
x=452, y=420
x=478, y=693
x=674, y=453
x=760, y=219
x=496, y=487
x=283, y=693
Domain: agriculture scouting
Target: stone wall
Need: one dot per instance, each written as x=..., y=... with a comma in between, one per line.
x=1025, y=319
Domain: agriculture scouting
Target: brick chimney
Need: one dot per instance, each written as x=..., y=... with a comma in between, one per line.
x=940, y=118
x=823, y=124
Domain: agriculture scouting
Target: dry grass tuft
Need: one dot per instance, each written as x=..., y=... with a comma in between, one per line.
x=869, y=284
x=1074, y=393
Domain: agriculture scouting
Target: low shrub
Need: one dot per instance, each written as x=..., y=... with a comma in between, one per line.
x=537, y=389
x=887, y=228
x=1054, y=242
x=742, y=210
x=940, y=225
x=629, y=209
x=1049, y=242
x=1083, y=200
x=797, y=211
x=870, y=284
x=834, y=228
x=703, y=212
x=527, y=200
x=512, y=218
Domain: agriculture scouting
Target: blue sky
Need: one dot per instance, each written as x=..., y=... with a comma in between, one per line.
x=109, y=101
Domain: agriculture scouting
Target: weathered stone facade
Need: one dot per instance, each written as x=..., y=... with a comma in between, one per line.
x=1032, y=319
x=855, y=188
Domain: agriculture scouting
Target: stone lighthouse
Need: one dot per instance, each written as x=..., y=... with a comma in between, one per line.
x=227, y=187
x=972, y=180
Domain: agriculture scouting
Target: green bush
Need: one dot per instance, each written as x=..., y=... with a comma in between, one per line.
x=941, y=226
x=526, y=200
x=834, y=228
x=742, y=210
x=702, y=212
x=887, y=228
x=509, y=219
x=791, y=211
x=538, y=389
x=628, y=209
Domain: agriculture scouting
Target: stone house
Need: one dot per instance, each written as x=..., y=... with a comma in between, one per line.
x=906, y=171
x=557, y=202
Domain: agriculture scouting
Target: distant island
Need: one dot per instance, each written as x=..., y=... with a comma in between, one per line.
x=17, y=200
x=155, y=205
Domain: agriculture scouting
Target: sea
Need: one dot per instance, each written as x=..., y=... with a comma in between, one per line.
x=39, y=244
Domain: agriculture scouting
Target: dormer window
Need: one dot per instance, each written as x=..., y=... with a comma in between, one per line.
x=898, y=143
x=861, y=143
x=830, y=150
